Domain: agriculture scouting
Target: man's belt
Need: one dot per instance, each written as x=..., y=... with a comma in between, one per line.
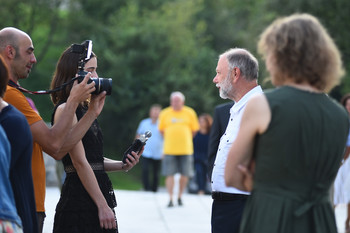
x=220, y=196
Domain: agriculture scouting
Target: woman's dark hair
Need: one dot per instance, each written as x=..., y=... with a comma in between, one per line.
x=66, y=69
x=208, y=119
x=4, y=77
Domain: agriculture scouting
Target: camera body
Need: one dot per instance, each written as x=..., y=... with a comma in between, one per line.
x=101, y=84
x=85, y=50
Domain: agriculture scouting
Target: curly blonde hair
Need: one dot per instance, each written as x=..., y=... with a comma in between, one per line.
x=300, y=49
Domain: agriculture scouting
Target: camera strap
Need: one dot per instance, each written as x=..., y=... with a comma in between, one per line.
x=18, y=87
x=42, y=92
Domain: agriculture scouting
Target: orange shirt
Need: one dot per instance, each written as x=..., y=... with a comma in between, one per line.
x=19, y=101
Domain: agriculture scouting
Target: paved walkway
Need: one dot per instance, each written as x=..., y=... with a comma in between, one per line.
x=146, y=212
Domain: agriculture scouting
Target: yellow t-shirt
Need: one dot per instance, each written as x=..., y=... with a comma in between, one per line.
x=178, y=128
x=19, y=101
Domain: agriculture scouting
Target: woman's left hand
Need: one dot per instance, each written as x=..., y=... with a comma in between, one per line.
x=106, y=217
x=132, y=160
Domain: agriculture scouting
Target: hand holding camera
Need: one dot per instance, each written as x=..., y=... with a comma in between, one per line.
x=101, y=84
x=82, y=90
x=96, y=104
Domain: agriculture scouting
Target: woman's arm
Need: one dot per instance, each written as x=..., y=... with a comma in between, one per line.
x=115, y=165
x=88, y=179
x=255, y=120
x=52, y=138
x=79, y=129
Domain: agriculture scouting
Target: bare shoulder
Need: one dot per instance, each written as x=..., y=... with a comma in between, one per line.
x=258, y=109
x=257, y=102
x=59, y=111
x=61, y=106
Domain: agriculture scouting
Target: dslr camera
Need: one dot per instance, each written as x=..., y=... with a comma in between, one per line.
x=85, y=50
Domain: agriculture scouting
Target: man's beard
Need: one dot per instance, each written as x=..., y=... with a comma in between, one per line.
x=225, y=87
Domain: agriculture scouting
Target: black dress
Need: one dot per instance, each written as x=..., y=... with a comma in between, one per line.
x=76, y=212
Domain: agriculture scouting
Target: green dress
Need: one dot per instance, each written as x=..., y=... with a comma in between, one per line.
x=297, y=159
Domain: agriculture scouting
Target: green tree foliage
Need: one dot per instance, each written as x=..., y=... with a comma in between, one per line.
x=155, y=52
x=151, y=48
x=40, y=19
x=334, y=17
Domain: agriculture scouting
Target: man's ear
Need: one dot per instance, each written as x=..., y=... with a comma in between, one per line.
x=10, y=52
x=235, y=74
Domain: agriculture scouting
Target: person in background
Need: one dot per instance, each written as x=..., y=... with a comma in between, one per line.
x=237, y=79
x=178, y=124
x=220, y=121
x=10, y=221
x=152, y=154
x=87, y=199
x=292, y=138
x=200, y=152
x=342, y=181
x=17, y=50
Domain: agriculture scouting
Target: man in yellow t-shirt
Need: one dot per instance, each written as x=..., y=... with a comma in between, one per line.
x=178, y=125
x=17, y=50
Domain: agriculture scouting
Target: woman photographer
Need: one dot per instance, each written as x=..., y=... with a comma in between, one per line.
x=87, y=199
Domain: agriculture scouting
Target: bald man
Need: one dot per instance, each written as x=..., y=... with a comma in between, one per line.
x=17, y=50
x=178, y=124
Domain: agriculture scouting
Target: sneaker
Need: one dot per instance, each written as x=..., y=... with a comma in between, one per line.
x=170, y=204
x=179, y=201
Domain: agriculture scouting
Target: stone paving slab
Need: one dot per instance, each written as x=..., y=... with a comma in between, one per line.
x=146, y=212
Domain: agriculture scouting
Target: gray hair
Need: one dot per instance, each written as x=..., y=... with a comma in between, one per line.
x=245, y=61
x=178, y=94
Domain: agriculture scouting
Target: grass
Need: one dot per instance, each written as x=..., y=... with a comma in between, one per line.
x=129, y=180
x=125, y=180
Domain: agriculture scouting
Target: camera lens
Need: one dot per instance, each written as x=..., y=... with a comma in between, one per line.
x=102, y=84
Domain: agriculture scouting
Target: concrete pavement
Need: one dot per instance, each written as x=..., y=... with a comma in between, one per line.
x=146, y=212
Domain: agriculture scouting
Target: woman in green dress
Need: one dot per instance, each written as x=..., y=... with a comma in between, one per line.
x=292, y=138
